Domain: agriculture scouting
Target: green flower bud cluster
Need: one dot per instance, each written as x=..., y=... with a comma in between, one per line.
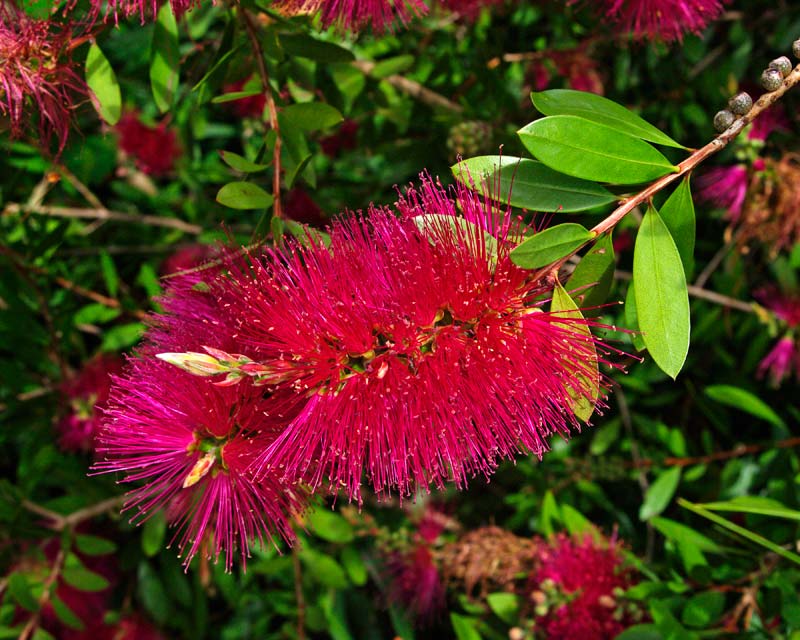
x=469, y=138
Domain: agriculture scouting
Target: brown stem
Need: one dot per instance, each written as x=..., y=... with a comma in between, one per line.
x=736, y=452
x=59, y=522
x=258, y=51
x=33, y=623
x=298, y=593
x=698, y=156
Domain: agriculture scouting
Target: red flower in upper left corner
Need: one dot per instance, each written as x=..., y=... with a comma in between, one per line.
x=35, y=72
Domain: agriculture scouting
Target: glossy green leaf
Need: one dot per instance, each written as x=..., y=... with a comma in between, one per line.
x=122, y=336
x=240, y=163
x=83, y=579
x=591, y=280
x=591, y=151
x=584, y=397
x=464, y=627
x=744, y=401
x=577, y=524
x=684, y=534
x=164, y=58
x=65, y=614
x=568, y=102
x=660, y=493
x=236, y=95
x=154, y=531
x=545, y=247
x=349, y=81
x=678, y=214
x=641, y=632
x=703, y=609
x=243, y=195
x=752, y=536
x=549, y=514
x=532, y=185
x=330, y=526
x=754, y=504
x=504, y=605
x=95, y=313
x=93, y=545
x=632, y=319
x=662, y=300
x=312, y=116
x=103, y=85
x=305, y=46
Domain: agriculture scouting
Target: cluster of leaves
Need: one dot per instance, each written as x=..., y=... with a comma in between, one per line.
x=697, y=475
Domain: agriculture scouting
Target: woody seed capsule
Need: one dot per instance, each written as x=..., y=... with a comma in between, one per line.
x=723, y=120
x=796, y=48
x=741, y=103
x=782, y=64
x=771, y=79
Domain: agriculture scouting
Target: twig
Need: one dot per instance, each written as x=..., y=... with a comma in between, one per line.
x=704, y=294
x=412, y=88
x=59, y=522
x=97, y=297
x=102, y=214
x=277, y=210
x=33, y=623
x=80, y=187
x=698, y=156
x=719, y=256
x=298, y=593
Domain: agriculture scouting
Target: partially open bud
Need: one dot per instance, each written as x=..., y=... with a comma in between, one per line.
x=199, y=364
x=782, y=64
x=771, y=79
x=741, y=103
x=723, y=120
x=200, y=469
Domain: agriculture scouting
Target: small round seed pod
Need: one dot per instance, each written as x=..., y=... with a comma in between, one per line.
x=771, y=79
x=741, y=103
x=796, y=48
x=782, y=64
x=723, y=120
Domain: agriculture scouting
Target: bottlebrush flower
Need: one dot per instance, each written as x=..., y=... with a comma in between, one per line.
x=187, y=257
x=574, y=589
x=666, y=20
x=192, y=443
x=36, y=73
x=414, y=581
x=356, y=15
x=153, y=149
x=146, y=9
x=469, y=10
x=410, y=350
x=86, y=395
x=726, y=188
x=784, y=356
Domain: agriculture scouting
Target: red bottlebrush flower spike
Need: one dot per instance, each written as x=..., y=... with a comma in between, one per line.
x=192, y=443
x=415, y=583
x=36, y=73
x=574, y=589
x=356, y=15
x=410, y=350
x=785, y=355
x=86, y=394
x=726, y=188
x=666, y=20
x=153, y=149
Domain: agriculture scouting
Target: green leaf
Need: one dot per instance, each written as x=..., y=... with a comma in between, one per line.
x=641, y=632
x=591, y=280
x=678, y=214
x=354, y=566
x=94, y=546
x=545, y=247
x=95, y=313
x=584, y=149
x=587, y=385
x=349, y=81
x=703, y=609
x=153, y=532
x=236, y=95
x=65, y=614
x=83, y=579
x=605, y=436
x=20, y=590
x=754, y=504
x=330, y=526
x=549, y=514
x=464, y=627
x=744, y=401
x=103, y=85
x=745, y=533
x=504, y=605
x=531, y=184
x=240, y=163
x=152, y=594
x=435, y=224
x=662, y=300
x=304, y=46
x=164, y=58
x=660, y=493
x=325, y=569
x=122, y=336
x=110, y=274
x=632, y=318
x=311, y=116
x=576, y=523
x=567, y=102
x=683, y=534
x=243, y=195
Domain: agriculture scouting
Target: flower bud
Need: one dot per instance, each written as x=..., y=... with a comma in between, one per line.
x=723, y=120
x=782, y=64
x=195, y=363
x=741, y=103
x=771, y=79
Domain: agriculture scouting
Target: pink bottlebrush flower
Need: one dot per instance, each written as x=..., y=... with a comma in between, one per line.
x=573, y=587
x=356, y=15
x=415, y=583
x=469, y=10
x=773, y=119
x=86, y=395
x=666, y=20
x=153, y=149
x=192, y=444
x=784, y=306
x=249, y=107
x=725, y=187
x=412, y=351
x=780, y=361
x=145, y=9
x=36, y=72
x=345, y=138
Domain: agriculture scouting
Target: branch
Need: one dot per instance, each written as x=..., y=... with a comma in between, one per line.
x=59, y=522
x=33, y=623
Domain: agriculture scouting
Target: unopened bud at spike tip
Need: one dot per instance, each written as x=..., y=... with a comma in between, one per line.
x=771, y=79
x=782, y=64
x=741, y=103
x=723, y=120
